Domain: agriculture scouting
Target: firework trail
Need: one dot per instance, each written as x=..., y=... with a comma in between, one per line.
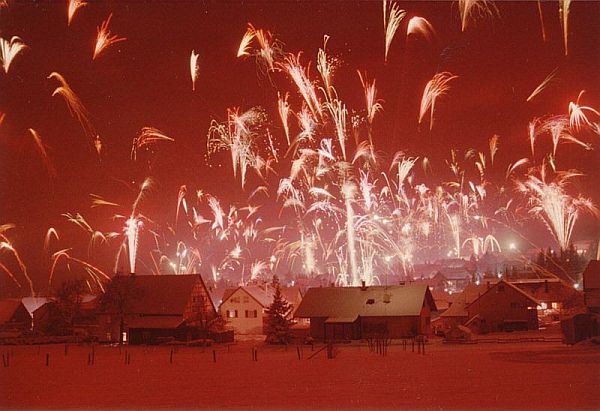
x=104, y=38
x=542, y=25
x=9, y=50
x=325, y=68
x=419, y=25
x=472, y=9
x=564, y=7
x=147, y=136
x=338, y=112
x=549, y=201
x=94, y=272
x=392, y=16
x=244, y=49
x=72, y=7
x=6, y=245
x=194, y=68
x=74, y=104
x=238, y=135
x=49, y=234
x=577, y=116
x=284, y=112
x=436, y=87
x=493, y=147
x=299, y=75
x=373, y=104
x=542, y=85
x=43, y=154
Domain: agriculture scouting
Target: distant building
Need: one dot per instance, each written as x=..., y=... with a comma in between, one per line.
x=244, y=308
x=351, y=313
x=156, y=307
x=14, y=317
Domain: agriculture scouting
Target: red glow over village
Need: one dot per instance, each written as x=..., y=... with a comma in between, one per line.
x=300, y=204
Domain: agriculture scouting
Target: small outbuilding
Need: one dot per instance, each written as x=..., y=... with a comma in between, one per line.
x=352, y=313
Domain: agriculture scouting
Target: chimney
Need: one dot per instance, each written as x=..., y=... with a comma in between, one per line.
x=363, y=285
x=545, y=286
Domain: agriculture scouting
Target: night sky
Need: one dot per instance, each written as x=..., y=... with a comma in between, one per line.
x=145, y=81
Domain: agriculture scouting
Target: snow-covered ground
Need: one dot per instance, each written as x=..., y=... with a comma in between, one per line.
x=514, y=375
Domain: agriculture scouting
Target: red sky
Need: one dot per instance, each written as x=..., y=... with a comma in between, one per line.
x=144, y=81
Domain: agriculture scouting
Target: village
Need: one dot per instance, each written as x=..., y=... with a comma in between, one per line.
x=179, y=327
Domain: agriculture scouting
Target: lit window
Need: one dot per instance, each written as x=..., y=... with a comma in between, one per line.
x=543, y=306
x=555, y=306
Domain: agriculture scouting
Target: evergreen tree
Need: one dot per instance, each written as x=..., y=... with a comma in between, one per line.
x=278, y=326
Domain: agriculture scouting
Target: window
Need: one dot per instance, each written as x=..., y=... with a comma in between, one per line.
x=370, y=301
x=235, y=300
x=246, y=299
x=555, y=306
x=232, y=313
x=251, y=314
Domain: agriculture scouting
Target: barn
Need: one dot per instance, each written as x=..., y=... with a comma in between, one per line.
x=353, y=313
x=150, y=308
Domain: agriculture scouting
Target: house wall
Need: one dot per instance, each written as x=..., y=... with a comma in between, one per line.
x=317, y=328
x=397, y=327
x=501, y=305
x=20, y=320
x=245, y=306
x=199, y=309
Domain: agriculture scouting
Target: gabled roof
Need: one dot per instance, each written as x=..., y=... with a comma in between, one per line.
x=8, y=308
x=161, y=294
x=349, y=302
x=514, y=287
x=456, y=309
x=265, y=296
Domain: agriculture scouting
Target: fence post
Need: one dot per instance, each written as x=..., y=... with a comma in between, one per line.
x=47, y=359
x=171, y=357
x=214, y=356
x=298, y=351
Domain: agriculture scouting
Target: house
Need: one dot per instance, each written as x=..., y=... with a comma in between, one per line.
x=245, y=308
x=150, y=308
x=499, y=306
x=351, y=313
x=551, y=293
x=503, y=307
x=14, y=317
x=591, y=286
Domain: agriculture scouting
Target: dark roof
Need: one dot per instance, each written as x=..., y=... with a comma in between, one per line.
x=265, y=296
x=591, y=275
x=514, y=287
x=349, y=302
x=456, y=309
x=8, y=309
x=162, y=294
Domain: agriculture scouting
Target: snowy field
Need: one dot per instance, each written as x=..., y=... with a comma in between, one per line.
x=514, y=375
